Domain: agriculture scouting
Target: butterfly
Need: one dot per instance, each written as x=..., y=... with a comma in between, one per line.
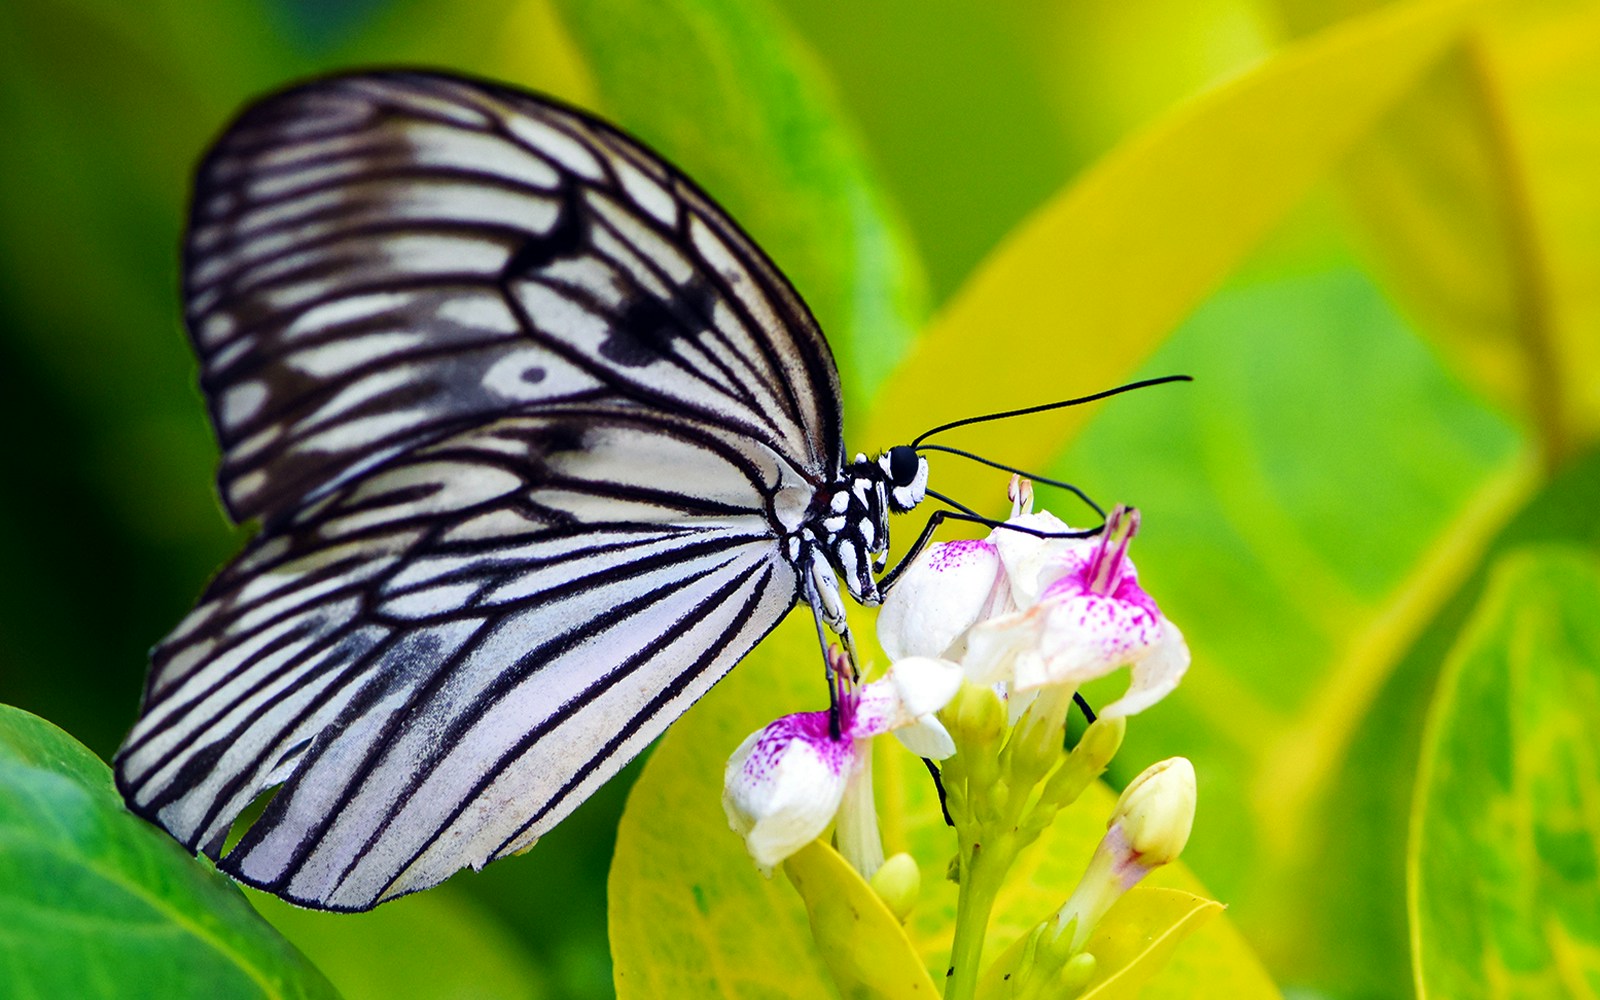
x=540, y=445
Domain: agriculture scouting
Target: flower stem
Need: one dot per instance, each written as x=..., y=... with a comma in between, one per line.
x=856, y=831
x=981, y=876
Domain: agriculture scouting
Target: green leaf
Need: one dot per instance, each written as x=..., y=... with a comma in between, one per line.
x=399, y=949
x=690, y=916
x=95, y=902
x=1505, y=852
x=1112, y=263
x=754, y=125
x=863, y=944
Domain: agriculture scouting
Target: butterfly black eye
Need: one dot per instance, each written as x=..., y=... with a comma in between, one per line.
x=903, y=464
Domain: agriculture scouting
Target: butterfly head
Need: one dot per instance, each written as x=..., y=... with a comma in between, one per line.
x=905, y=477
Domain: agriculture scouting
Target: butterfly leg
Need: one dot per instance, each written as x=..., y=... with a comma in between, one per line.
x=822, y=593
x=937, y=518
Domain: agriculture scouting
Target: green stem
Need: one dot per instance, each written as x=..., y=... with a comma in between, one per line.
x=980, y=885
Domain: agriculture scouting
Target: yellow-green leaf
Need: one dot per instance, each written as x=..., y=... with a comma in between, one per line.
x=1504, y=862
x=1543, y=56
x=862, y=943
x=1475, y=196
x=1044, y=877
x=1133, y=942
x=690, y=915
x=1082, y=293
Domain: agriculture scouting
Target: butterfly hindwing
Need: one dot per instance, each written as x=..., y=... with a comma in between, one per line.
x=376, y=260
x=442, y=659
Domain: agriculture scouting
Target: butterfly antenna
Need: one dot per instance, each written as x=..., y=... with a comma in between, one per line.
x=968, y=514
x=1075, y=491
x=1043, y=407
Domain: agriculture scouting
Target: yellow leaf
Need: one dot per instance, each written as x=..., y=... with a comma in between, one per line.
x=862, y=943
x=1476, y=198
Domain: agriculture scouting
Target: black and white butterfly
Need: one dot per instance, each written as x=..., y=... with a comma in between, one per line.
x=540, y=444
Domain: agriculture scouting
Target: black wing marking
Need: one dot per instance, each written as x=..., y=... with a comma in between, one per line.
x=440, y=661
x=376, y=260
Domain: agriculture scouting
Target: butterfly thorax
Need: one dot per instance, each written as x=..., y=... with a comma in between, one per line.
x=849, y=520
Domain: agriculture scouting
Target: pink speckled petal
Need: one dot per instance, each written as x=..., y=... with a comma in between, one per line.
x=949, y=587
x=784, y=784
x=1155, y=675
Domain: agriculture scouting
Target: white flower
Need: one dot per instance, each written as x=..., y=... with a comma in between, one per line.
x=1082, y=614
x=785, y=783
x=951, y=587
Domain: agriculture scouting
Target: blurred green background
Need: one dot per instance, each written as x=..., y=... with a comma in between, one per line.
x=1397, y=352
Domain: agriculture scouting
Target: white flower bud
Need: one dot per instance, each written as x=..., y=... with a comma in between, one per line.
x=1156, y=811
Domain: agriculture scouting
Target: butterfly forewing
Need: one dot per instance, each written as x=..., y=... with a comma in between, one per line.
x=376, y=260
x=526, y=420
x=443, y=660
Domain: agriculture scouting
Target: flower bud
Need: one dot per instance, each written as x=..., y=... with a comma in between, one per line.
x=978, y=716
x=1075, y=975
x=1157, y=811
x=1037, y=742
x=898, y=883
x=1100, y=742
x=1148, y=829
x=1087, y=762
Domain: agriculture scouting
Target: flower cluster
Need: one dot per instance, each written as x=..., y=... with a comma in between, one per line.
x=988, y=641
x=1035, y=608
x=1027, y=609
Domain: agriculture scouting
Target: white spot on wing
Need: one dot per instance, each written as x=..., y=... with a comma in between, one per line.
x=217, y=326
x=555, y=144
x=480, y=312
x=341, y=356
x=511, y=376
x=320, y=318
x=646, y=193
x=242, y=402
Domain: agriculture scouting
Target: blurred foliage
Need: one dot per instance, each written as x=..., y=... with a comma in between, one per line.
x=1371, y=231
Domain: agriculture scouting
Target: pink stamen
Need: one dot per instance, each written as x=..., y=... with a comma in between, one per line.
x=1110, y=557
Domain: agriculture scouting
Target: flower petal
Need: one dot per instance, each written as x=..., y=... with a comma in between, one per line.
x=949, y=587
x=913, y=687
x=1031, y=562
x=927, y=737
x=993, y=646
x=783, y=785
x=1154, y=676
x=1087, y=636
